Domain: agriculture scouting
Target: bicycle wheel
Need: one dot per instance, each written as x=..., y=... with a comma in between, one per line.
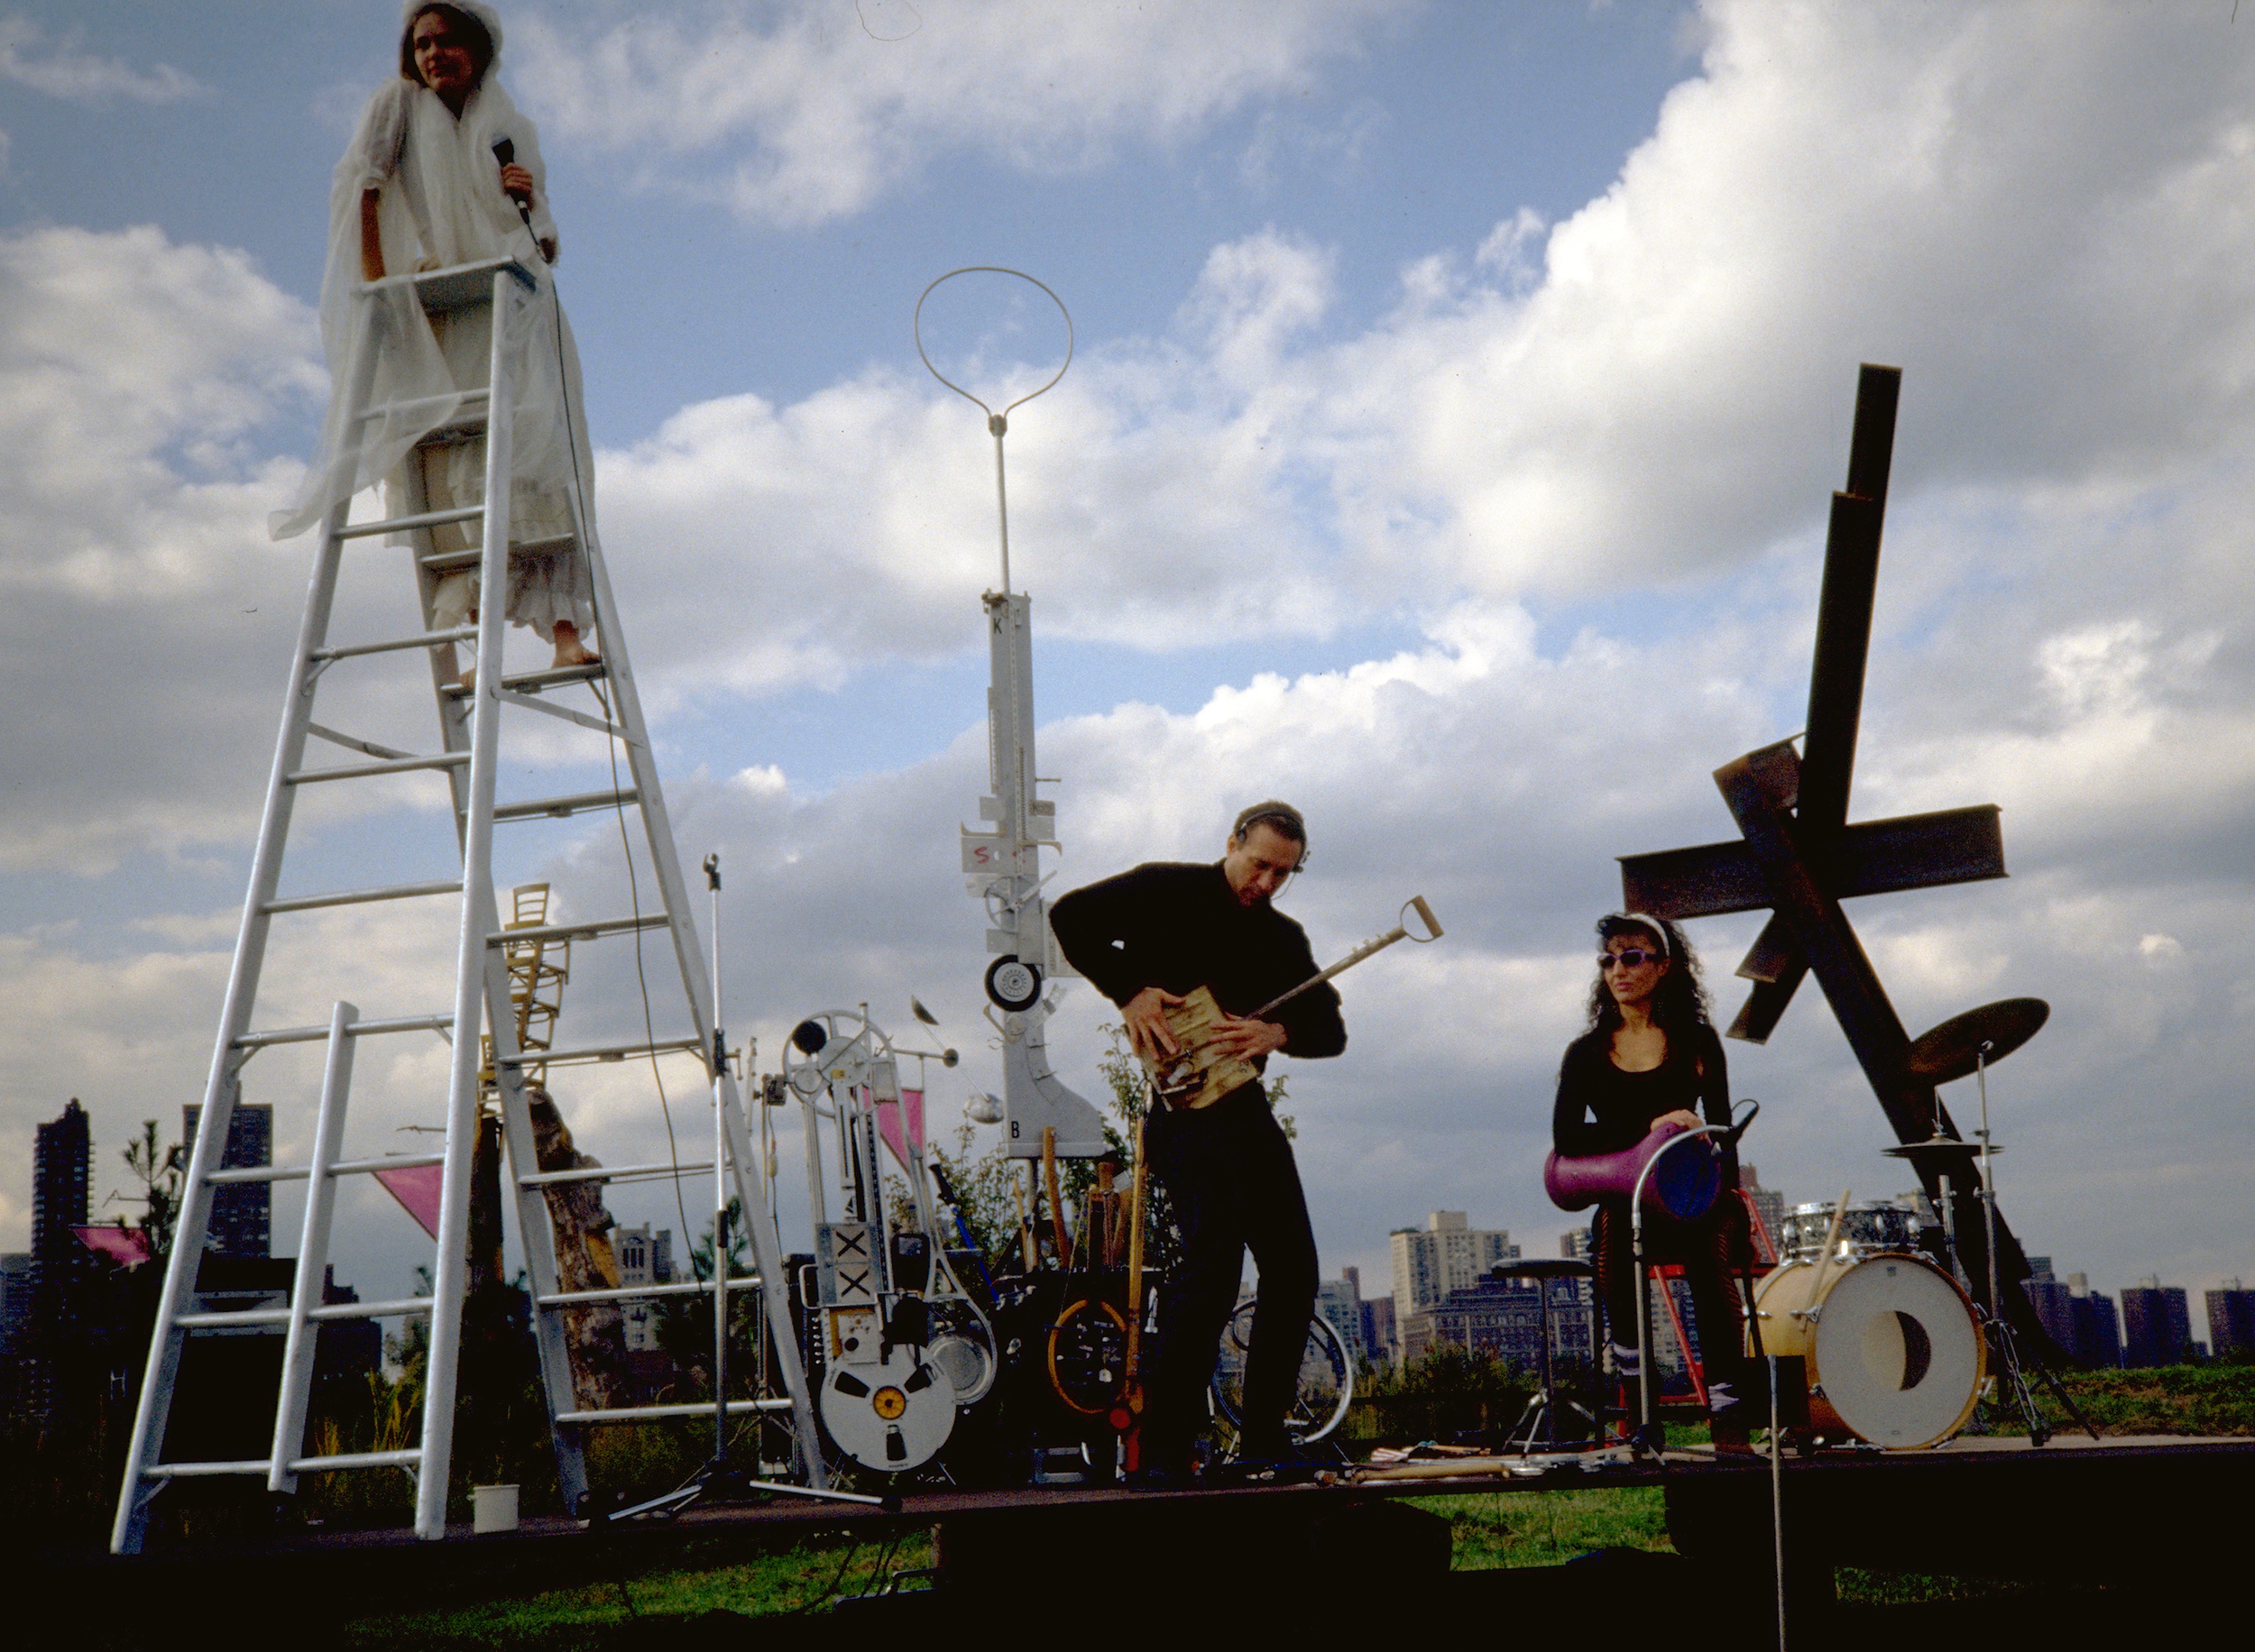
x=1327, y=1383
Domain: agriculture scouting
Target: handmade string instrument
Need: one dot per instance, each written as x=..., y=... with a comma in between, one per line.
x=1198, y=1075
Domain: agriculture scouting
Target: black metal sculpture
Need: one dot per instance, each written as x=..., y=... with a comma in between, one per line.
x=1797, y=856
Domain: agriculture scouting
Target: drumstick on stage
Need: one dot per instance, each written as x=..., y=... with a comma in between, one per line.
x=1824, y=1257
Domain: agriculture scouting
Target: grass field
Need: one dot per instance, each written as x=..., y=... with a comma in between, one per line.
x=803, y=1579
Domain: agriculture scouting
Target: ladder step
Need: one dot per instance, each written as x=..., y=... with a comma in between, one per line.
x=457, y=286
x=223, y=1319
x=197, y=1470
x=413, y=1457
x=645, y=1413
x=358, y=1028
x=400, y=1307
x=595, y=1052
x=533, y=681
x=300, y=1172
x=449, y=562
x=399, y=525
x=635, y=1293
x=561, y=808
x=419, y=404
x=624, y=1173
x=421, y=639
x=576, y=932
x=356, y=897
x=361, y=771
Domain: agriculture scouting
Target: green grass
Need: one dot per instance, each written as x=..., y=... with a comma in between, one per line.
x=1495, y=1529
x=2196, y=1399
x=804, y=1578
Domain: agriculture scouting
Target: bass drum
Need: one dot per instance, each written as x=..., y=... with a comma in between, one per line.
x=1894, y=1354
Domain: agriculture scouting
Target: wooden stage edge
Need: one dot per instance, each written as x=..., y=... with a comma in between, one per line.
x=1978, y=1506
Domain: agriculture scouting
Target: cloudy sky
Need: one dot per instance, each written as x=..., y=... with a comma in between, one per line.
x=1458, y=396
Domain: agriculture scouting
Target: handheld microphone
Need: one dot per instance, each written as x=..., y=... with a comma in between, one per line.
x=505, y=154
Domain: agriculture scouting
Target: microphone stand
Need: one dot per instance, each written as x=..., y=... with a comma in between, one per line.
x=720, y=1481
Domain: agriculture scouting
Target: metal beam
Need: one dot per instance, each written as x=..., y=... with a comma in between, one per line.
x=1912, y=851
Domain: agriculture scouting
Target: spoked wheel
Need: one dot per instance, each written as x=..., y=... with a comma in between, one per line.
x=1088, y=1356
x=1327, y=1384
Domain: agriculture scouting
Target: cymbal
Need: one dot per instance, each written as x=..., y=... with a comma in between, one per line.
x=1963, y=1042
x=1938, y=1147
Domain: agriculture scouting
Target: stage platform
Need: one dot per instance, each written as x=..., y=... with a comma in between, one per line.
x=2177, y=1513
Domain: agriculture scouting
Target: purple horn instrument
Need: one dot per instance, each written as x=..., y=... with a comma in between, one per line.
x=1683, y=1187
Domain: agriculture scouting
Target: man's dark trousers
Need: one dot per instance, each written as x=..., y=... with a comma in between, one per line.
x=1232, y=1185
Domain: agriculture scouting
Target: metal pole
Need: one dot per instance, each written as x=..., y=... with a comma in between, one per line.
x=479, y=920
x=1777, y=1501
x=1988, y=1180
x=719, y=1180
x=997, y=424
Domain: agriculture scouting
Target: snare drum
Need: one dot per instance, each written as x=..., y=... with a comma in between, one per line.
x=1894, y=1354
x=1865, y=1229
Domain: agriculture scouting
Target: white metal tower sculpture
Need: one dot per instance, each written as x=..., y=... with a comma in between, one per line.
x=1002, y=867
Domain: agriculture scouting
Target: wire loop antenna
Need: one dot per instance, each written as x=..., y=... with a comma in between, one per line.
x=997, y=424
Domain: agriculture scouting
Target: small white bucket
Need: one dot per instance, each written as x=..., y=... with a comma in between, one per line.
x=493, y=1508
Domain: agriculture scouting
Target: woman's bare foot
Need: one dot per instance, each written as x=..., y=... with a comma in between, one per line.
x=569, y=650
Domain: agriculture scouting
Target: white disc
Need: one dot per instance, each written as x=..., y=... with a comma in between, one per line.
x=1898, y=1352
x=967, y=1363
x=890, y=1416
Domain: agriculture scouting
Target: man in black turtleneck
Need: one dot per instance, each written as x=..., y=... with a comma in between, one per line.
x=1146, y=938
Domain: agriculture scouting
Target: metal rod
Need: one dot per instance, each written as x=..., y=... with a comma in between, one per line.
x=560, y=808
x=303, y=1338
x=362, y=897
x=632, y=1293
x=365, y=771
x=624, y=1173
x=359, y=1028
x=576, y=932
x=720, y=1179
x=600, y=1053
x=450, y=1283
x=998, y=425
x=1988, y=1180
x=422, y=518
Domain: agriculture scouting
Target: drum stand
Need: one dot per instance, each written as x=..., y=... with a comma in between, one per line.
x=2004, y=1349
x=1536, y=1431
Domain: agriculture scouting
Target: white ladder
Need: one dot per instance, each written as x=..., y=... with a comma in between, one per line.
x=470, y=723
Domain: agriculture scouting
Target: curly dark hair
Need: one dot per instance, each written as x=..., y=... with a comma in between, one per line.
x=474, y=34
x=1680, y=1002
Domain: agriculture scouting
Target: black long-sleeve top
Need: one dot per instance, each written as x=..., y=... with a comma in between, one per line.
x=1602, y=1109
x=1178, y=926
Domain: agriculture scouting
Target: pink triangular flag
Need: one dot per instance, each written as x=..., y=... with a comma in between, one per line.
x=128, y=1247
x=416, y=1187
x=889, y=1114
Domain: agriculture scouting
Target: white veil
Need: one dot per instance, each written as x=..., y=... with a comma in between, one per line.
x=439, y=202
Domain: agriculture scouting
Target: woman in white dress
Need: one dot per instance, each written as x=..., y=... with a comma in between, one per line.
x=421, y=187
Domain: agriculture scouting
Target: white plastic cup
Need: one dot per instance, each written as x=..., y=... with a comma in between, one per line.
x=493, y=1508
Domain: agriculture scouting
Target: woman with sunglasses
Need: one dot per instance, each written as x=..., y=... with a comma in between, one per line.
x=1650, y=1057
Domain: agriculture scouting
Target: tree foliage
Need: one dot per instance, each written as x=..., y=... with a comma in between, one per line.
x=158, y=1170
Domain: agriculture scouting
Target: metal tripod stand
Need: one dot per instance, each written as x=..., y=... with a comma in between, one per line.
x=2003, y=1343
